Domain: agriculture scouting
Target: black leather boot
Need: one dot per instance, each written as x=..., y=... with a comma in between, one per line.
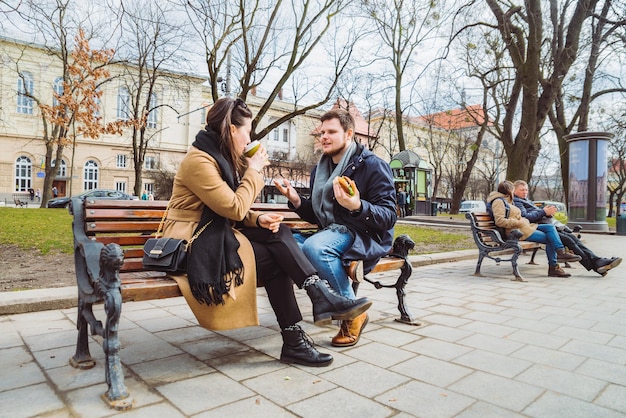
x=298, y=348
x=328, y=305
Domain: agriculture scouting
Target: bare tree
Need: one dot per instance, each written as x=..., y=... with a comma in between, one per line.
x=572, y=105
x=271, y=45
x=535, y=68
x=151, y=41
x=403, y=26
x=82, y=70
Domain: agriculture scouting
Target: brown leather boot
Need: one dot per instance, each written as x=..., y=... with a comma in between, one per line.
x=350, y=331
x=563, y=256
x=557, y=271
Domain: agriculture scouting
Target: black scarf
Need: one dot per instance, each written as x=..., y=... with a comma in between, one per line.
x=213, y=263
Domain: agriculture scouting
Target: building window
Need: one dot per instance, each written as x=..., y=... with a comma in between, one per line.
x=150, y=163
x=58, y=90
x=148, y=188
x=90, y=175
x=23, y=174
x=25, y=87
x=152, y=116
x=62, y=170
x=275, y=134
x=120, y=186
x=120, y=161
x=285, y=135
x=123, y=104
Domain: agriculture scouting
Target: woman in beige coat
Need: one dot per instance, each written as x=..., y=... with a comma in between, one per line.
x=213, y=191
x=508, y=216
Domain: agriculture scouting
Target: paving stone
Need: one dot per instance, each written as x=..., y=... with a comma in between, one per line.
x=31, y=401
x=609, y=372
x=561, y=381
x=329, y=403
x=171, y=369
x=163, y=324
x=379, y=354
x=431, y=370
x=595, y=351
x=442, y=333
x=548, y=357
x=554, y=404
x=442, y=350
x=379, y=379
x=497, y=390
x=491, y=343
x=253, y=407
x=203, y=393
x=538, y=338
x=290, y=385
x=505, y=366
x=483, y=410
x=16, y=375
x=424, y=400
x=487, y=328
x=613, y=397
x=244, y=365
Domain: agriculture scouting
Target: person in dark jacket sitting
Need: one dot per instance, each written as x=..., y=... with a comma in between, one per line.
x=589, y=259
x=354, y=224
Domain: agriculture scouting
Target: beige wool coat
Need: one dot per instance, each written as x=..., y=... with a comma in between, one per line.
x=199, y=182
x=515, y=220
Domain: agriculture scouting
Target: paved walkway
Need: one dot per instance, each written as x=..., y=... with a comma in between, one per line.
x=488, y=347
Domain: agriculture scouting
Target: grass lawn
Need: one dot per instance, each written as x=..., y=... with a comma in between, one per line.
x=50, y=231
x=47, y=230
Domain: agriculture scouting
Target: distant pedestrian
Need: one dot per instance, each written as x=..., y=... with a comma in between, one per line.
x=55, y=192
x=150, y=196
x=401, y=198
x=31, y=192
x=38, y=194
x=144, y=195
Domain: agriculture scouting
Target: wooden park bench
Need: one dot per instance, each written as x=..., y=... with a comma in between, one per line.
x=491, y=244
x=108, y=244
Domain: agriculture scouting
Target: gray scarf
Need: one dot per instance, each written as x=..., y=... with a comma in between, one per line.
x=322, y=193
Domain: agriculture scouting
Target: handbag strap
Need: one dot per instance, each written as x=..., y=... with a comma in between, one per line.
x=192, y=239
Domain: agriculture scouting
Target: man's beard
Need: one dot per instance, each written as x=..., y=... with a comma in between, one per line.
x=335, y=152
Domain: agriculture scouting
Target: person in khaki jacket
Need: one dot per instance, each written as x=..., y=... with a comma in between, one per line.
x=213, y=191
x=508, y=216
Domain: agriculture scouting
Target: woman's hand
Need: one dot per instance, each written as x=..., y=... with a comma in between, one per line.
x=270, y=221
x=259, y=160
x=288, y=191
x=345, y=199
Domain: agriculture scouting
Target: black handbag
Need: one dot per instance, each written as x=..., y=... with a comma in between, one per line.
x=165, y=254
x=168, y=254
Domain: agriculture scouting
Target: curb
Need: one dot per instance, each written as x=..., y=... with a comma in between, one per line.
x=36, y=300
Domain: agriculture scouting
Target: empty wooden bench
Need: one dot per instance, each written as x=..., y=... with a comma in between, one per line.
x=108, y=250
x=491, y=244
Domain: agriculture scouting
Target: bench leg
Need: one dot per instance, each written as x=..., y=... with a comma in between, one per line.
x=481, y=257
x=516, y=273
x=532, y=257
x=82, y=358
x=108, y=285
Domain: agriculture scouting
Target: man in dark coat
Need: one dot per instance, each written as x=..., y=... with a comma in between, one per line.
x=354, y=224
x=589, y=259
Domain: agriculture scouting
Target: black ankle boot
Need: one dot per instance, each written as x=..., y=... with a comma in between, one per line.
x=298, y=348
x=328, y=305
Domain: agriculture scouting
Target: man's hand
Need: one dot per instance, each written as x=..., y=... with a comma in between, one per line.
x=350, y=202
x=270, y=221
x=289, y=192
x=550, y=210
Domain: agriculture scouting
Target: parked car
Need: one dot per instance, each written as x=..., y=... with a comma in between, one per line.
x=472, y=206
x=560, y=215
x=64, y=202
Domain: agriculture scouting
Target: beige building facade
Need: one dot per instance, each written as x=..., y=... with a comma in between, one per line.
x=107, y=162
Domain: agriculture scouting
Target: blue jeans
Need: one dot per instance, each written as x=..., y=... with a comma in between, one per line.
x=324, y=249
x=547, y=234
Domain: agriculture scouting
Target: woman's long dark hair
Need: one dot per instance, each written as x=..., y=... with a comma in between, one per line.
x=225, y=112
x=506, y=188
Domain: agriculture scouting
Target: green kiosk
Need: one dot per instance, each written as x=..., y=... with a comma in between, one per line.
x=413, y=174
